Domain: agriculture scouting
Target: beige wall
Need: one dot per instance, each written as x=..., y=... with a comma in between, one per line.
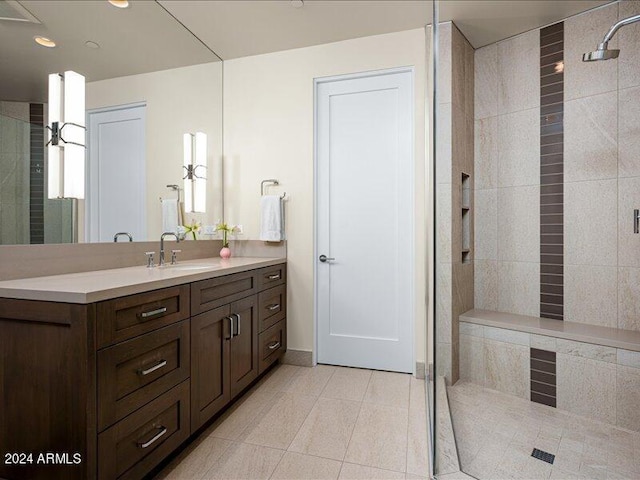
x=601, y=173
x=179, y=101
x=268, y=104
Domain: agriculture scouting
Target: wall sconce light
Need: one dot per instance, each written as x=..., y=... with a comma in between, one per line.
x=195, y=166
x=66, y=145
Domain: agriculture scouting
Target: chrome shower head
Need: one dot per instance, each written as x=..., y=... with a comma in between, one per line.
x=602, y=53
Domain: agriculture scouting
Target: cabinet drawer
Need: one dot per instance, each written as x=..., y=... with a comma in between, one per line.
x=272, y=306
x=209, y=294
x=132, y=373
x=127, y=317
x=271, y=276
x=271, y=344
x=132, y=447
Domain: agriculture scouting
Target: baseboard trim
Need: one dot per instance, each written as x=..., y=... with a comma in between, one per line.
x=301, y=358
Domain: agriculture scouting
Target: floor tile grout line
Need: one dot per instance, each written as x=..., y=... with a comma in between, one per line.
x=346, y=450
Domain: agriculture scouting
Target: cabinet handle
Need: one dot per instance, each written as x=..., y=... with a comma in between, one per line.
x=239, y=318
x=273, y=307
x=274, y=277
x=274, y=345
x=153, y=313
x=149, y=370
x=230, y=318
x=154, y=439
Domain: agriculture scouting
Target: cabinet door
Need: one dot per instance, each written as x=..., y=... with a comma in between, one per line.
x=244, y=344
x=210, y=380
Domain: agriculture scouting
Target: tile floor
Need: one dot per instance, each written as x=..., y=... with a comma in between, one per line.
x=496, y=433
x=315, y=423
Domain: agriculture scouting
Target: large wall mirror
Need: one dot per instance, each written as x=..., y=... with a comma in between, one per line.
x=144, y=92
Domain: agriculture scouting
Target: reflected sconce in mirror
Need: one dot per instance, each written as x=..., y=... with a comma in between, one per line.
x=195, y=166
x=66, y=145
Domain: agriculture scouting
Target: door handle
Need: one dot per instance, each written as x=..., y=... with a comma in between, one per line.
x=324, y=259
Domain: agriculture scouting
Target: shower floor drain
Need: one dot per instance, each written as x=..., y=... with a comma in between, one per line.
x=544, y=456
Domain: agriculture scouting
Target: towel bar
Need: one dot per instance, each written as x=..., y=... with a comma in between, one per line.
x=272, y=181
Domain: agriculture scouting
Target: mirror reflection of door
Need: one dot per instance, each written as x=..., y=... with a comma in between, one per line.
x=116, y=173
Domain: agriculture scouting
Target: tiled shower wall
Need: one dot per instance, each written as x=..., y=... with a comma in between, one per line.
x=601, y=173
x=14, y=172
x=454, y=130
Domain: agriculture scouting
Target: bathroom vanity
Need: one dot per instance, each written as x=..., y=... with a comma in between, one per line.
x=116, y=369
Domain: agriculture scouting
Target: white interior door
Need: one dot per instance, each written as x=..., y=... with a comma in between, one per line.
x=116, y=192
x=365, y=208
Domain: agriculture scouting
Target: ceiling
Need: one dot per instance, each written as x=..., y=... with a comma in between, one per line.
x=158, y=35
x=143, y=38
x=238, y=28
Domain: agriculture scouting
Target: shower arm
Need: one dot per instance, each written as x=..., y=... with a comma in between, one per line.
x=617, y=26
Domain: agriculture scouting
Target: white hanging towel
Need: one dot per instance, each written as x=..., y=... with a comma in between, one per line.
x=170, y=216
x=272, y=218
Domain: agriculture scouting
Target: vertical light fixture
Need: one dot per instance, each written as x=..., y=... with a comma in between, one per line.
x=66, y=146
x=195, y=166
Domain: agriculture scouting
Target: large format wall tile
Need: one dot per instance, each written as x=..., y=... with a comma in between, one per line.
x=590, y=223
x=486, y=224
x=591, y=138
x=444, y=222
x=486, y=81
x=444, y=62
x=519, y=224
x=586, y=387
x=519, y=288
x=457, y=68
x=590, y=294
x=582, y=34
x=586, y=350
x=629, y=298
x=628, y=40
x=519, y=73
x=443, y=143
x=629, y=134
x=628, y=200
x=507, y=367
x=486, y=284
x=519, y=148
x=628, y=397
x=486, y=153
x=472, y=359
x=444, y=302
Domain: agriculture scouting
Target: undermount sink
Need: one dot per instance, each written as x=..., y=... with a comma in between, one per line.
x=187, y=267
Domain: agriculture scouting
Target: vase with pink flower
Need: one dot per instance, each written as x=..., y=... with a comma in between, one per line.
x=226, y=230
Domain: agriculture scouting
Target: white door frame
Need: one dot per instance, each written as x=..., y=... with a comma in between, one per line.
x=87, y=177
x=412, y=229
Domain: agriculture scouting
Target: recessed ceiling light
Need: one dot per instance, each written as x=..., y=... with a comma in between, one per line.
x=44, y=41
x=119, y=3
x=297, y=3
x=90, y=44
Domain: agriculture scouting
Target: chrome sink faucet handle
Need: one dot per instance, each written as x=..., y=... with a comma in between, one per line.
x=174, y=256
x=115, y=237
x=150, y=255
x=165, y=234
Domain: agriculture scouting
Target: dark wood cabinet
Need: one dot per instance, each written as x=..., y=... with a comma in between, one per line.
x=210, y=375
x=124, y=382
x=243, y=353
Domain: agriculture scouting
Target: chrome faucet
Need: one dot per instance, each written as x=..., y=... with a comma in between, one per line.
x=161, y=261
x=115, y=237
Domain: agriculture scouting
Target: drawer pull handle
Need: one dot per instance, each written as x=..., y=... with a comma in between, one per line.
x=274, y=345
x=274, y=277
x=273, y=307
x=154, y=439
x=153, y=313
x=149, y=370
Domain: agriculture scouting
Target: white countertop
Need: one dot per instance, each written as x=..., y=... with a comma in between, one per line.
x=89, y=287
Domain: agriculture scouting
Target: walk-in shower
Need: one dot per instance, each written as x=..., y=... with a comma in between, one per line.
x=603, y=52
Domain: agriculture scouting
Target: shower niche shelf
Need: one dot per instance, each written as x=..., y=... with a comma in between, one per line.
x=466, y=217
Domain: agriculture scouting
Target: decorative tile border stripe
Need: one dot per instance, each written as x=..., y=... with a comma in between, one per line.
x=543, y=377
x=552, y=171
x=36, y=173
